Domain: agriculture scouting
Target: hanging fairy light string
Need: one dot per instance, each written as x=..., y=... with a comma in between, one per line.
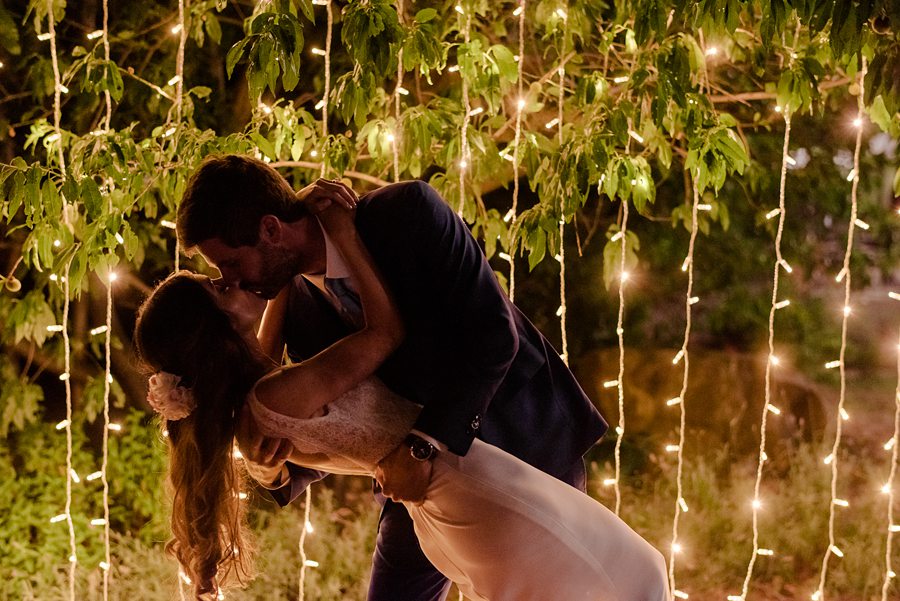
x=59, y=88
x=464, y=159
x=327, y=92
x=845, y=276
x=771, y=360
x=71, y=474
x=107, y=381
x=179, y=63
x=512, y=216
x=888, y=489
x=178, y=80
x=620, y=333
x=305, y=562
x=561, y=256
x=106, y=54
x=307, y=528
x=399, y=90
x=107, y=377
x=683, y=355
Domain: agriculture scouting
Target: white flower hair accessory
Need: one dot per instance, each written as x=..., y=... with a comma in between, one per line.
x=169, y=399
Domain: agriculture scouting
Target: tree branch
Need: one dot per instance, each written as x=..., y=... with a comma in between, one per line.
x=310, y=165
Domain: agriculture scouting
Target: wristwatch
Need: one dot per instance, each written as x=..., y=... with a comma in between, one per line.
x=420, y=448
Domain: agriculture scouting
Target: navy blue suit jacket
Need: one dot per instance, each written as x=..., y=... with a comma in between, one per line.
x=470, y=357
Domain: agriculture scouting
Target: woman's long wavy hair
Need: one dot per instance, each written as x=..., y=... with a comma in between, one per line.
x=181, y=330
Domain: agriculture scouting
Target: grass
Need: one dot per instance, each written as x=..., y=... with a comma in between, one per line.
x=716, y=532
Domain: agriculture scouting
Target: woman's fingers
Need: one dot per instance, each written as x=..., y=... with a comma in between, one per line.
x=341, y=192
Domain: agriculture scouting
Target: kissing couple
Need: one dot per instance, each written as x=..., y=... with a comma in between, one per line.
x=408, y=363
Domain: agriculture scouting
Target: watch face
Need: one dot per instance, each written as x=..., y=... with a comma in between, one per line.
x=421, y=449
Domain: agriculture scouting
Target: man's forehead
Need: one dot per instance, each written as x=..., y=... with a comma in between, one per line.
x=216, y=252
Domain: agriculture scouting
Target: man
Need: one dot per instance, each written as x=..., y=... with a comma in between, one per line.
x=473, y=361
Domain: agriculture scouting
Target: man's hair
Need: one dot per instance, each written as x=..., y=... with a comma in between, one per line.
x=227, y=197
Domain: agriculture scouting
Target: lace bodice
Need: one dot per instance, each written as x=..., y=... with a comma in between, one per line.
x=356, y=432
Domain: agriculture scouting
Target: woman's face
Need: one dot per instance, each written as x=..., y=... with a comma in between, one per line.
x=242, y=307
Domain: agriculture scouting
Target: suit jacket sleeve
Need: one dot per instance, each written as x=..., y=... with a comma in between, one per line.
x=417, y=237
x=300, y=479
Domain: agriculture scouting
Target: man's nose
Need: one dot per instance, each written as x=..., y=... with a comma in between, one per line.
x=225, y=281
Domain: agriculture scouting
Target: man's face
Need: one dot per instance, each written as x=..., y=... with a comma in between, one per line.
x=261, y=269
x=282, y=252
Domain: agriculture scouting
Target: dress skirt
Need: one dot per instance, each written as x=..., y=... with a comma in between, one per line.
x=503, y=530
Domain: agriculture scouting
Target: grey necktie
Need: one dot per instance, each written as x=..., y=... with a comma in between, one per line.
x=348, y=301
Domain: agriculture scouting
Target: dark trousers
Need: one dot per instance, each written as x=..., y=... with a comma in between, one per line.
x=400, y=571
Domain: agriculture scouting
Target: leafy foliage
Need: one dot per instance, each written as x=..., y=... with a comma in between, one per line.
x=656, y=94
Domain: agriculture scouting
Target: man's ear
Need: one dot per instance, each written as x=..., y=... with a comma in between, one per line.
x=270, y=229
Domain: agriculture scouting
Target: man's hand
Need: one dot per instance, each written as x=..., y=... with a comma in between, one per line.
x=264, y=456
x=403, y=477
x=322, y=193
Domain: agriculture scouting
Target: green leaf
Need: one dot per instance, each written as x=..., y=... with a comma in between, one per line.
x=200, y=91
x=213, y=29
x=9, y=33
x=30, y=317
x=506, y=62
x=93, y=201
x=235, y=54
x=425, y=15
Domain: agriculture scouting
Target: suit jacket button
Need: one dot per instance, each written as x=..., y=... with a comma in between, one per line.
x=475, y=424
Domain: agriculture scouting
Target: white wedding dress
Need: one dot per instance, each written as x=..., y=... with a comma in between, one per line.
x=501, y=529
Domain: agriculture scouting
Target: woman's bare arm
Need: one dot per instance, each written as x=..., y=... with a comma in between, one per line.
x=271, y=329
x=302, y=390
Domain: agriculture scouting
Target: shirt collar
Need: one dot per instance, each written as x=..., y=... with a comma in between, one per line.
x=335, y=268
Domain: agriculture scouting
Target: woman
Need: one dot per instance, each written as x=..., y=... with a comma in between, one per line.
x=501, y=529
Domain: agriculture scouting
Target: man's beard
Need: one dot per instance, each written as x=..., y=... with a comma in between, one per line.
x=280, y=267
